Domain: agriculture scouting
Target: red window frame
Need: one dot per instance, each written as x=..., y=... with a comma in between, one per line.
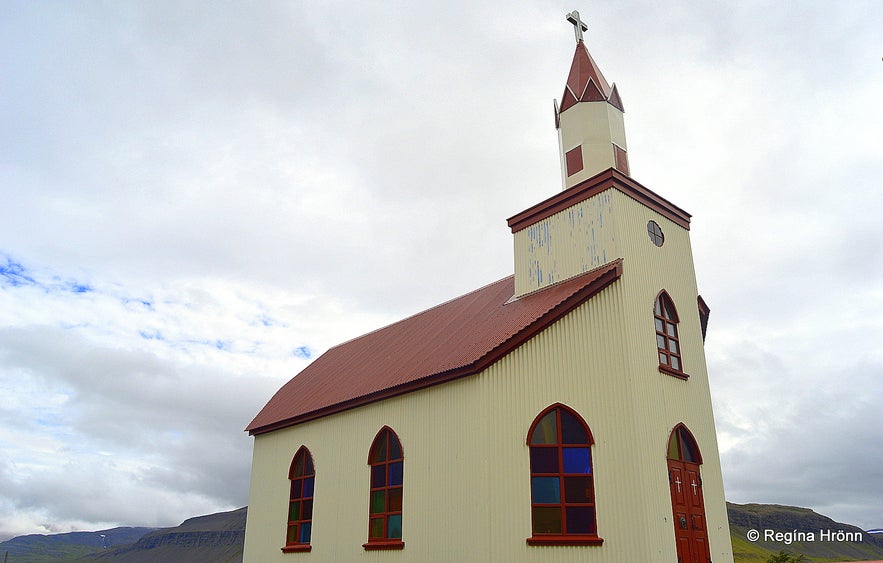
x=668, y=344
x=386, y=460
x=302, y=475
x=562, y=479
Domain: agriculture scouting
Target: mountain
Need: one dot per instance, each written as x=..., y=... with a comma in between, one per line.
x=220, y=537
x=64, y=547
x=216, y=538
x=801, y=530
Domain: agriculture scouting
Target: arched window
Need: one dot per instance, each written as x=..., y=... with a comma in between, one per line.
x=682, y=446
x=300, y=503
x=669, y=347
x=385, y=503
x=562, y=489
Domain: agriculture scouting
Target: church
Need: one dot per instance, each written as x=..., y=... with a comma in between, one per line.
x=562, y=413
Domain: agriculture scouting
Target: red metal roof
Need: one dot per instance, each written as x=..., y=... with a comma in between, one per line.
x=452, y=340
x=583, y=69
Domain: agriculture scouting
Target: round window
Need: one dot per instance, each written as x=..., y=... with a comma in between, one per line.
x=655, y=233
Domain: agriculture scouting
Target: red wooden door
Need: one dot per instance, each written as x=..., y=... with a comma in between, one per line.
x=688, y=509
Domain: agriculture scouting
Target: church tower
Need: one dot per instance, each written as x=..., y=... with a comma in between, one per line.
x=591, y=131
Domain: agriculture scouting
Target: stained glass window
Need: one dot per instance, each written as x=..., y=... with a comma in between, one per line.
x=561, y=477
x=385, y=500
x=300, y=504
x=667, y=343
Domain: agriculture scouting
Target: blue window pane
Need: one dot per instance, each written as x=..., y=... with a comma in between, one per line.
x=394, y=527
x=305, y=530
x=545, y=490
x=577, y=460
x=395, y=474
x=308, y=487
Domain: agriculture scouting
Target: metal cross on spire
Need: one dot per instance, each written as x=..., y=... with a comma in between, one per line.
x=578, y=25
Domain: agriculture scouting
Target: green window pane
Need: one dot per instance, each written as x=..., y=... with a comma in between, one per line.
x=395, y=500
x=545, y=490
x=375, y=528
x=378, y=502
x=673, y=447
x=294, y=511
x=578, y=489
x=546, y=520
x=546, y=430
x=395, y=448
x=577, y=460
x=580, y=520
x=292, y=534
x=395, y=527
x=572, y=430
x=305, y=532
x=543, y=460
x=378, y=476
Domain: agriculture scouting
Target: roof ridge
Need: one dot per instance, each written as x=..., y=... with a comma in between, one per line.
x=423, y=312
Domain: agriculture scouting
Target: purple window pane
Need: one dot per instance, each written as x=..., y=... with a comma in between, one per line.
x=378, y=476
x=580, y=520
x=543, y=460
x=572, y=431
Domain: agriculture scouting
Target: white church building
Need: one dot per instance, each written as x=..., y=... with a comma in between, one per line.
x=562, y=413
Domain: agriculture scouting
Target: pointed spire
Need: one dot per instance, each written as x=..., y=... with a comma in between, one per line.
x=584, y=69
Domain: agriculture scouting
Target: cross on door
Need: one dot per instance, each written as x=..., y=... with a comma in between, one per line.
x=678, y=482
x=694, y=486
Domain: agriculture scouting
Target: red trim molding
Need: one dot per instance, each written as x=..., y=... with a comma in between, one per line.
x=380, y=545
x=296, y=548
x=564, y=540
x=610, y=178
x=673, y=372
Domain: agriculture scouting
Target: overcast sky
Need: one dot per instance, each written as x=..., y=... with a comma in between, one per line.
x=200, y=198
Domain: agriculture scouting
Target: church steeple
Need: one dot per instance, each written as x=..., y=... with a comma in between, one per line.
x=590, y=123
